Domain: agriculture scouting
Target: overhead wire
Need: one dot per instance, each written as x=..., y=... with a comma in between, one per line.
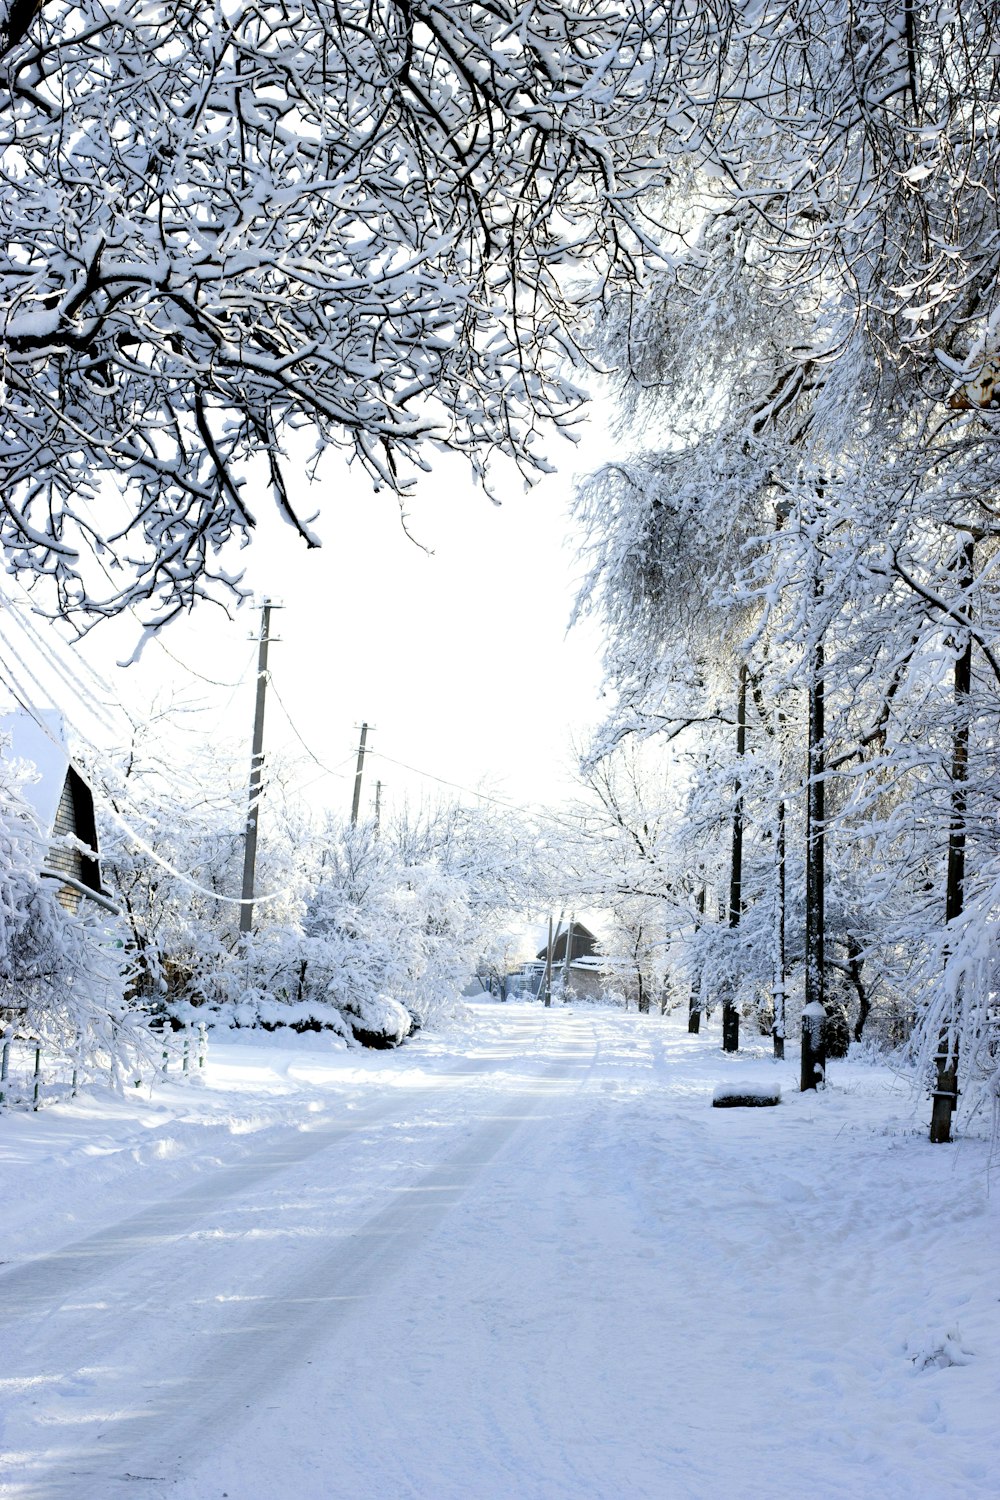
x=22, y=696
x=212, y=682
x=327, y=770
x=19, y=612
x=528, y=812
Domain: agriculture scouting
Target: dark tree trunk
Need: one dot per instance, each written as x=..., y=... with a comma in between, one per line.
x=694, y=1004
x=778, y=1030
x=854, y=962
x=946, y=1082
x=730, y=1014
x=813, y=1070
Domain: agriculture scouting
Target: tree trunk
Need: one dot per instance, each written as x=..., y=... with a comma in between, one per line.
x=780, y=965
x=730, y=1013
x=854, y=961
x=813, y=1069
x=694, y=1003
x=945, y=1094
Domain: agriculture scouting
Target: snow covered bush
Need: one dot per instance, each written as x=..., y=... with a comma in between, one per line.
x=361, y=932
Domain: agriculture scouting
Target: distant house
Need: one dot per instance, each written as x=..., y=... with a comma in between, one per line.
x=63, y=805
x=582, y=941
x=584, y=973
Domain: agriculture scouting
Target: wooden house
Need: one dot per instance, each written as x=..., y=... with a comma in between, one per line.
x=583, y=943
x=63, y=805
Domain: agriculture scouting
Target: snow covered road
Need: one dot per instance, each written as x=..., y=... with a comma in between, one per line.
x=523, y=1261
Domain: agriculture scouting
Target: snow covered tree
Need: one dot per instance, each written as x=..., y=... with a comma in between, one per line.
x=824, y=335
x=171, y=834
x=222, y=225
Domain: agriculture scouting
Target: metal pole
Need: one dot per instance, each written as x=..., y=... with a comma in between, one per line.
x=256, y=770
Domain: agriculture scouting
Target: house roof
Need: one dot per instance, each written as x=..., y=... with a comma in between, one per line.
x=582, y=936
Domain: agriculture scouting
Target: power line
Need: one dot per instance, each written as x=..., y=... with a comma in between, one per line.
x=20, y=697
x=528, y=812
x=193, y=671
x=20, y=611
x=327, y=770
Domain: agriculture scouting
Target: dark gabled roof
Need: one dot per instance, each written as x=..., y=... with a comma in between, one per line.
x=583, y=944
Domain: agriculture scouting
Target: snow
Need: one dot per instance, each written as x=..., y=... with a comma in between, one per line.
x=763, y=1089
x=519, y=1258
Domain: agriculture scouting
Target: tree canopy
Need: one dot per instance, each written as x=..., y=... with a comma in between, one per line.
x=223, y=223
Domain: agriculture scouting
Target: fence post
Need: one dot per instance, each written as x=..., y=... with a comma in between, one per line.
x=186, y=1064
x=202, y=1044
x=38, y=1075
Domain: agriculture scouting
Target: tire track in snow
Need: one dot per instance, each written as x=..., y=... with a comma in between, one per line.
x=37, y=1288
x=149, y=1426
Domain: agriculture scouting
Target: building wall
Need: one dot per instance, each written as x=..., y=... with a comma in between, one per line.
x=74, y=819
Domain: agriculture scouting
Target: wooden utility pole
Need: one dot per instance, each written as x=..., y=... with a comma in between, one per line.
x=730, y=1013
x=355, y=805
x=256, y=772
x=548, y=968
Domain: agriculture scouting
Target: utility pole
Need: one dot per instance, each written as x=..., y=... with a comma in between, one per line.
x=357, y=775
x=256, y=772
x=548, y=968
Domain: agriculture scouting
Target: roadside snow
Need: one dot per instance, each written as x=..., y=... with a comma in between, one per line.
x=525, y=1260
x=756, y=1089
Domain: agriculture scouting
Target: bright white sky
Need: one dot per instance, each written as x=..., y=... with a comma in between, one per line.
x=459, y=660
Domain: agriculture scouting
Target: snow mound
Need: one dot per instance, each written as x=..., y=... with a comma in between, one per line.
x=378, y=1020
x=938, y=1351
x=734, y=1095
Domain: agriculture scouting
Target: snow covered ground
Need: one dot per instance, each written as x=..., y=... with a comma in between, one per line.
x=524, y=1260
